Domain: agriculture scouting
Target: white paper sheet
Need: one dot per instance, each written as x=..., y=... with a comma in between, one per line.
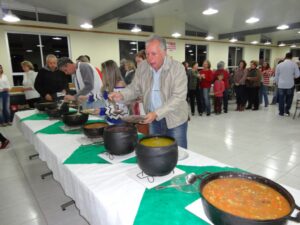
x=156, y=181
x=116, y=158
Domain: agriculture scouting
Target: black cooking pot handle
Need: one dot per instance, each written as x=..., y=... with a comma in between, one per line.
x=203, y=175
x=297, y=217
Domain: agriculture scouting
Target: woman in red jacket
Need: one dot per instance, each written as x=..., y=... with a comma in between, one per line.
x=206, y=77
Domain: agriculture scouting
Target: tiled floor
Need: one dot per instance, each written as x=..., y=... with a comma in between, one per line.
x=260, y=142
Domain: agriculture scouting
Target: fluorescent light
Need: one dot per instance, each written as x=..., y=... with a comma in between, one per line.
x=42, y=46
x=133, y=49
x=204, y=52
x=133, y=43
x=232, y=40
x=267, y=43
x=176, y=35
x=254, y=42
x=191, y=54
x=281, y=45
x=86, y=26
x=29, y=50
x=252, y=20
x=131, y=53
x=293, y=46
x=187, y=46
x=209, y=37
x=136, y=29
x=210, y=11
x=150, y=1
x=57, y=51
x=57, y=38
x=190, y=50
x=283, y=27
x=11, y=18
x=298, y=32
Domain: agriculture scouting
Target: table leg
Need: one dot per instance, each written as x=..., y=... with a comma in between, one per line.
x=46, y=175
x=67, y=204
x=33, y=156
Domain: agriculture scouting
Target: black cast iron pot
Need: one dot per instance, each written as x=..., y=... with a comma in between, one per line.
x=157, y=161
x=94, y=132
x=219, y=217
x=74, y=119
x=120, y=139
x=43, y=105
x=58, y=112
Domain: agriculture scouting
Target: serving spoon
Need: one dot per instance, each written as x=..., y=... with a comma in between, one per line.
x=189, y=180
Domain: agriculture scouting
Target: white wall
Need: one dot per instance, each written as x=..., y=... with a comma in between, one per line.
x=104, y=46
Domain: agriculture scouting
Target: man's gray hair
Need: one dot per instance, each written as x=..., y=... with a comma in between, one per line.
x=50, y=56
x=220, y=65
x=63, y=61
x=162, y=41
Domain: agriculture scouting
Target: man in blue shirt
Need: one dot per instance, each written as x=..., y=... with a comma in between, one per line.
x=285, y=75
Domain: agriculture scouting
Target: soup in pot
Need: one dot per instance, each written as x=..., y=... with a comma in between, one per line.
x=157, y=142
x=95, y=125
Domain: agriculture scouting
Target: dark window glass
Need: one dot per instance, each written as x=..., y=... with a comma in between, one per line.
x=235, y=54
x=296, y=53
x=128, y=49
x=201, y=54
x=25, y=15
x=190, y=53
x=129, y=26
x=24, y=47
x=55, y=45
x=43, y=17
x=195, y=53
x=264, y=55
x=18, y=80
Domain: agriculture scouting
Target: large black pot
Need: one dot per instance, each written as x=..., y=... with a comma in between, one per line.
x=96, y=132
x=74, y=119
x=157, y=161
x=43, y=105
x=220, y=217
x=58, y=112
x=120, y=139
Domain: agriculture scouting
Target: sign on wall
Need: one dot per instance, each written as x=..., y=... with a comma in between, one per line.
x=171, y=46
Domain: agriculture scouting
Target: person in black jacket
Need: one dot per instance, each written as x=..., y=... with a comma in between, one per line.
x=50, y=82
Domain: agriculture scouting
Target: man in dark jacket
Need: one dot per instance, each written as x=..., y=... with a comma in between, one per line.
x=50, y=82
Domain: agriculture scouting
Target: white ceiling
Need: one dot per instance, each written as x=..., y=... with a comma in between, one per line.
x=231, y=17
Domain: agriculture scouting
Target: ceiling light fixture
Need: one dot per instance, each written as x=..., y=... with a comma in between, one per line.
x=136, y=29
x=57, y=51
x=187, y=46
x=29, y=50
x=176, y=35
x=86, y=26
x=191, y=54
x=209, y=37
x=150, y=1
x=10, y=17
x=254, y=42
x=190, y=50
x=298, y=32
x=282, y=45
x=232, y=40
x=210, y=11
x=267, y=43
x=252, y=20
x=57, y=38
x=133, y=43
x=293, y=46
x=283, y=27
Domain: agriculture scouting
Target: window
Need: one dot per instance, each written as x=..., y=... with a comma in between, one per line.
x=235, y=55
x=196, y=53
x=264, y=55
x=129, y=26
x=128, y=49
x=34, y=48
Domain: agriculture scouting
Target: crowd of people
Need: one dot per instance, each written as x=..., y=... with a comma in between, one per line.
x=249, y=85
x=157, y=81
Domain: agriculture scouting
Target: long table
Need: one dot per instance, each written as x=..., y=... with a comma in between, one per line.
x=103, y=192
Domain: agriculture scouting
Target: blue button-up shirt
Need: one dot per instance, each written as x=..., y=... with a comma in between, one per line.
x=155, y=92
x=285, y=74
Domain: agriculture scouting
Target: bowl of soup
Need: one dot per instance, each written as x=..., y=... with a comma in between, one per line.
x=157, y=155
x=232, y=198
x=94, y=130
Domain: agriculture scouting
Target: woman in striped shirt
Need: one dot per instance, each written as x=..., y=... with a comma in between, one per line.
x=266, y=72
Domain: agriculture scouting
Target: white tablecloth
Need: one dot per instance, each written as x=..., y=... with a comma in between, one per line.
x=103, y=192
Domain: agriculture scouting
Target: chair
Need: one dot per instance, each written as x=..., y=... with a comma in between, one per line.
x=297, y=103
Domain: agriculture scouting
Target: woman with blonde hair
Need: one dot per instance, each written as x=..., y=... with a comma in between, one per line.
x=31, y=95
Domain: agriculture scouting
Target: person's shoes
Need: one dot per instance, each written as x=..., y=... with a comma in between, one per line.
x=238, y=108
x=193, y=114
x=242, y=108
x=266, y=106
x=9, y=124
x=254, y=109
x=208, y=114
x=200, y=114
x=225, y=111
x=248, y=107
x=4, y=144
x=281, y=114
x=288, y=113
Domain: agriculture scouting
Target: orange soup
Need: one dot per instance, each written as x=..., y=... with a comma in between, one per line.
x=95, y=125
x=246, y=198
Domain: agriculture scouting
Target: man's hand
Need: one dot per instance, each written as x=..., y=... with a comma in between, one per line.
x=82, y=98
x=48, y=97
x=116, y=96
x=150, y=117
x=69, y=98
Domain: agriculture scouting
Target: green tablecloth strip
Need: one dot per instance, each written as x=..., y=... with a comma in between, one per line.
x=56, y=128
x=37, y=116
x=87, y=154
x=168, y=206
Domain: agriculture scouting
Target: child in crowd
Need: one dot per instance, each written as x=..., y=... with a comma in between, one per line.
x=219, y=88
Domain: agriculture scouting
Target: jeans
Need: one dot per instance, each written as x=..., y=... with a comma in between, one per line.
x=275, y=95
x=263, y=94
x=240, y=92
x=206, y=99
x=225, y=100
x=195, y=95
x=178, y=133
x=4, y=107
x=285, y=99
